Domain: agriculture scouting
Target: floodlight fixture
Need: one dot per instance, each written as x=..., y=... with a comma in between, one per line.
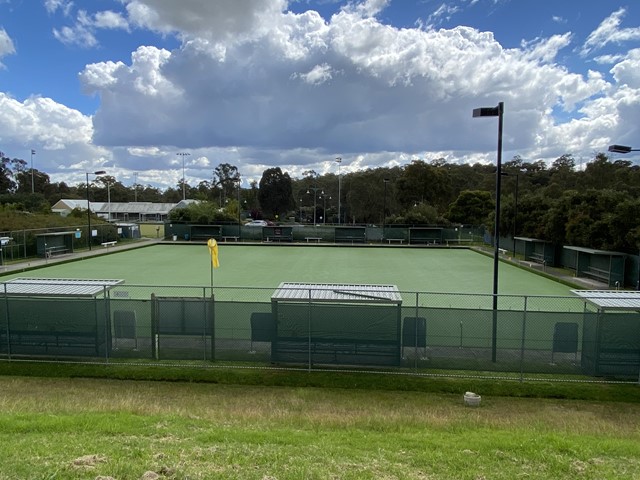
x=622, y=149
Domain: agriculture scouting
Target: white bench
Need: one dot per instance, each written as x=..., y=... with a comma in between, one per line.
x=226, y=238
x=313, y=239
x=398, y=240
x=109, y=244
x=503, y=251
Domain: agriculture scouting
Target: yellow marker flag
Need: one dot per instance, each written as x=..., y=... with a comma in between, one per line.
x=213, y=250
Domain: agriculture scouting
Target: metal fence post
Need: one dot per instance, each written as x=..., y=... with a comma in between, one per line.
x=415, y=359
x=524, y=329
x=309, y=332
x=107, y=322
x=6, y=302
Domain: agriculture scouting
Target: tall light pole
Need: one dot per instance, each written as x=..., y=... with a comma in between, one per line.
x=183, y=154
x=495, y=112
x=33, y=152
x=109, y=202
x=239, y=219
x=135, y=186
x=339, y=161
x=315, y=200
x=626, y=149
x=324, y=208
x=384, y=205
x=99, y=172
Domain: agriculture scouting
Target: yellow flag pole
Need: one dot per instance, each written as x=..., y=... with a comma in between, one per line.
x=213, y=250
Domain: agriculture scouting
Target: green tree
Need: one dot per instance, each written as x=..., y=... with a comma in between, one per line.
x=9, y=168
x=202, y=213
x=275, y=194
x=472, y=207
x=227, y=178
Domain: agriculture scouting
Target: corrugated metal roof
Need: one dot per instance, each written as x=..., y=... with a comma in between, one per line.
x=149, y=208
x=593, y=251
x=528, y=239
x=337, y=292
x=57, y=287
x=611, y=299
x=132, y=207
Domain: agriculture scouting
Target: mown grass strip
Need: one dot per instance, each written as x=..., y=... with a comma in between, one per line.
x=450, y=382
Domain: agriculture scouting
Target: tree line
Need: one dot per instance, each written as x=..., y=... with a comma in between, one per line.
x=595, y=206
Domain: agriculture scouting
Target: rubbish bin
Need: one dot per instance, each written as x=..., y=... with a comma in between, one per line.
x=186, y=236
x=175, y=237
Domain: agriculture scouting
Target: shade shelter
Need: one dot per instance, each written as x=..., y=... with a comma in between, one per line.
x=55, y=317
x=56, y=243
x=427, y=235
x=601, y=265
x=611, y=332
x=336, y=324
x=536, y=250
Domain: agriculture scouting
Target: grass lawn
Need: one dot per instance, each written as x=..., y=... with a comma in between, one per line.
x=57, y=428
x=411, y=269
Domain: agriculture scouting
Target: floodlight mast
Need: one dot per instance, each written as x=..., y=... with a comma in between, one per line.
x=497, y=111
x=99, y=172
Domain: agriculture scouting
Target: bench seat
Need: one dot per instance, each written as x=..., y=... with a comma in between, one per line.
x=597, y=274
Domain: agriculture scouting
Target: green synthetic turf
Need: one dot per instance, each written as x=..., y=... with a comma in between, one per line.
x=411, y=269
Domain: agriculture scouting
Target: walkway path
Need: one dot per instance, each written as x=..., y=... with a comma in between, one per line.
x=33, y=263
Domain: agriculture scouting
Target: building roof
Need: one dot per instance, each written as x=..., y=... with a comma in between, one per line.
x=148, y=208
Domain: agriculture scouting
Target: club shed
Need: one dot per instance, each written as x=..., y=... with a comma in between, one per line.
x=337, y=324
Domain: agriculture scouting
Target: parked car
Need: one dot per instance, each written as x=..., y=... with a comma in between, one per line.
x=256, y=223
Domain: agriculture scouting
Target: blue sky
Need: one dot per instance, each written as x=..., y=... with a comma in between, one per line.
x=124, y=85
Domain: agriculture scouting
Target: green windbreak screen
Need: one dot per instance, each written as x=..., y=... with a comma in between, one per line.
x=57, y=327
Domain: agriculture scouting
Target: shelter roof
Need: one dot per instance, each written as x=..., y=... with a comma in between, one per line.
x=532, y=240
x=55, y=234
x=51, y=287
x=593, y=251
x=611, y=299
x=337, y=292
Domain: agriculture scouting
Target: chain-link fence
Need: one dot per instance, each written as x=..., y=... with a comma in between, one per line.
x=526, y=337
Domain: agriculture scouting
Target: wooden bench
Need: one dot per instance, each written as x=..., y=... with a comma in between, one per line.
x=226, y=238
x=279, y=238
x=57, y=250
x=108, y=244
x=349, y=238
x=537, y=257
x=397, y=240
x=598, y=274
x=313, y=239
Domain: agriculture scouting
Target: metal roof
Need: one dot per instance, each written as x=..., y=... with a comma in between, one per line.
x=611, y=299
x=148, y=208
x=57, y=287
x=529, y=239
x=593, y=251
x=55, y=234
x=337, y=292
